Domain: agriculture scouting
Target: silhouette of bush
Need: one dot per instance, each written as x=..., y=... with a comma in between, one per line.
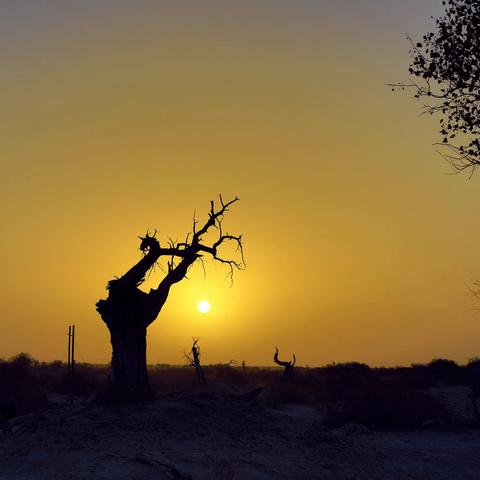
x=473, y=364
x=21, y=390
x=448, y=371
x=89, y=380
x=473, y=372
x=295, y=390
x=227, y=374
x=172, y=379
x=348, y=375
x=349, y=369
x=383, y=407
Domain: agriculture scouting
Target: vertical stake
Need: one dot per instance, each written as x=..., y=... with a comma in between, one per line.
x=72, y=368
x=69, y=362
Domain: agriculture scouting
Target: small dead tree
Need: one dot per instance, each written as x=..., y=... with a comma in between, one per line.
x=288, y=366
x=193, y=360
x=230, y=363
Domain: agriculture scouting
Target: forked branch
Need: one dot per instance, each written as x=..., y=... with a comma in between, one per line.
x=191, y=250
x=288, y=366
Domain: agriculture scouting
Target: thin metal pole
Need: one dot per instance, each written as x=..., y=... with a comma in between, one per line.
x=69, y=362
x=73, y=361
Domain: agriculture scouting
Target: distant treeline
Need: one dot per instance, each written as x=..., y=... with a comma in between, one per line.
x=379, y=398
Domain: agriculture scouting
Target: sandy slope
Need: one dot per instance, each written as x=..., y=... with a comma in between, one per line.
x=219, y=436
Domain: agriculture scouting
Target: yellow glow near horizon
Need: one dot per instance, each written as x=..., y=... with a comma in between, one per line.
x=203, y=306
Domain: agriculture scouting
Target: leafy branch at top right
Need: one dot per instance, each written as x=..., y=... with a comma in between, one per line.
x=445, y=76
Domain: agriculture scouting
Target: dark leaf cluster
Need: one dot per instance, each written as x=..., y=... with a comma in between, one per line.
x=446, y=70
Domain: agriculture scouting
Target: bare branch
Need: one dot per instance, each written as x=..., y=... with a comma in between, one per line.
x=288, y=366
x=213, y=216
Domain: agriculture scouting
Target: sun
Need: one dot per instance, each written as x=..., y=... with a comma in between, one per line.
x=203, y=306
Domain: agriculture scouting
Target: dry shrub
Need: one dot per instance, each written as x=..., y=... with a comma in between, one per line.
x=383, y=407
x=165, y=379
x=382, y=399
x=285, y=390
x=473, y=369
x=21, y=389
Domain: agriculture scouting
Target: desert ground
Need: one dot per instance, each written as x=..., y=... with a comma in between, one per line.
x=228, y=431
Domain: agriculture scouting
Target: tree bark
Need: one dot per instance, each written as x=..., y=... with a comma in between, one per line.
x=128, y=378
x=128, y=312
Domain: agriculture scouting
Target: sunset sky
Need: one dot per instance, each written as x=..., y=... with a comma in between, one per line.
x=118, y=116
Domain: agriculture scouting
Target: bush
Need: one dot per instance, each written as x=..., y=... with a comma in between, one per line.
x=21, y=390
x=448, y=371
x=381, y=407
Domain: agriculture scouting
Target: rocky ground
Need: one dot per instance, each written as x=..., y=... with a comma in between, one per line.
x=222, y=436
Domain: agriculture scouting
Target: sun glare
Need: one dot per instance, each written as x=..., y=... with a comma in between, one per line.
x=203, y=306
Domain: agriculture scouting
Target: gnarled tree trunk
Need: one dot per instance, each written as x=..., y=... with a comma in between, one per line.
x=127, y=314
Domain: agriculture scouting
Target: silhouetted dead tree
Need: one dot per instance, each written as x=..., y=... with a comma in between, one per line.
x=288, y=366
x=193, y=359
x=128, y=311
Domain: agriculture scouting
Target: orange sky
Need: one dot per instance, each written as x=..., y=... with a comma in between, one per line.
x=118, y=116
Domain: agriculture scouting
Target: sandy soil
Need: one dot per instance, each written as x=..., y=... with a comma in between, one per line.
x=219, y=436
